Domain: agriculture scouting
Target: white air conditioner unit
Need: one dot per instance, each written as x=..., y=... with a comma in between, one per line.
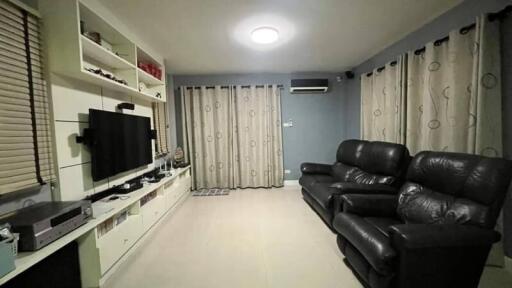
x=309, y=86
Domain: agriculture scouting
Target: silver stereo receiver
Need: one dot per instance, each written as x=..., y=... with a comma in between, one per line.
x=45, y=222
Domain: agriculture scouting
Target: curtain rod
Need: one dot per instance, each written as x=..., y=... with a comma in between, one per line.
x=380, y=69
x=464, y=30
x=225, y=86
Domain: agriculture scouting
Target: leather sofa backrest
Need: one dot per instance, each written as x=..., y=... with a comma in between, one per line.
x=350, y=151
x=367, y=162
x=454, y=188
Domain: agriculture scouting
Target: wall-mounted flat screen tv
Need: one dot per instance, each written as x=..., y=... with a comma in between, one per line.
x=120, y=142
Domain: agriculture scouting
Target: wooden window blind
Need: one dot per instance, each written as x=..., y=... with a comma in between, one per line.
x=161, y=125
x=26, y=159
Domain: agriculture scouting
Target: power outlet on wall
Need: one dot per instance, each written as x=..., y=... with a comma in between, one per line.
x=287, y=171
x=288, y=124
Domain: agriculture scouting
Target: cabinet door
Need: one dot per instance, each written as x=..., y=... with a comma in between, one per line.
x=185, y=184
x=171, y=193
x=152, y=211
x=113, y=245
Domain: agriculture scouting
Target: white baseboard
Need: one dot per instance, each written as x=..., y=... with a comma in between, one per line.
x=291, y=182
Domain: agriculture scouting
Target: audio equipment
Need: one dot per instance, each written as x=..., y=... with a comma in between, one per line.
x=45, y=222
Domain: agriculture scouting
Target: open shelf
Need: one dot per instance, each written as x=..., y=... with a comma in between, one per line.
x=99, y=53
x=153, y=98
x=113, y=85
x=147, y=78
x=143, y=56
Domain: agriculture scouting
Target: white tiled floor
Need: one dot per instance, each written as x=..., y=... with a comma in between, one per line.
x=251, y=238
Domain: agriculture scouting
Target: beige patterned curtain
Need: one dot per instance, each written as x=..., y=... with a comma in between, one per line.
x=233, y=136
x=454, y=98
x=454, y=94
x=383, y=102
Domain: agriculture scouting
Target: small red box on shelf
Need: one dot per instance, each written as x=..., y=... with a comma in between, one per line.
x=151, y=69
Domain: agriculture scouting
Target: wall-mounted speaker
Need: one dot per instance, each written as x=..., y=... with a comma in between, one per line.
x=126, y=105
x=349, y=75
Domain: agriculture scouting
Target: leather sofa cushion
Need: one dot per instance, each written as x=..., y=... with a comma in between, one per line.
x=418, y=204
x=449, y=188
x=344, y=173
x=366, y=235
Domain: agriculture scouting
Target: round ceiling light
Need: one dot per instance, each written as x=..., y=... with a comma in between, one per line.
x=265, y=35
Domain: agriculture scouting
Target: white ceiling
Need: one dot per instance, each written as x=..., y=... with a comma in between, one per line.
x=210, y=36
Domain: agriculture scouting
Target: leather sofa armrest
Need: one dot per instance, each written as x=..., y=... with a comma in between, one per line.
x=377, y=205
x=447, y=253
x=424, y=236
x=315, y=168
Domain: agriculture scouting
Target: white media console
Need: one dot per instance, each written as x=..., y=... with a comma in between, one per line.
x=117, y=228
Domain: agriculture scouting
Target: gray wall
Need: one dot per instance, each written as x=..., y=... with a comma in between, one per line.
x=318, y=125
x=458, y=17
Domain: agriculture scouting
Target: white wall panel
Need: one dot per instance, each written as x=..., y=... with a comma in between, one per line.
x=72, y=99
x=112, y=98
x=70, y=152
x=75, y=182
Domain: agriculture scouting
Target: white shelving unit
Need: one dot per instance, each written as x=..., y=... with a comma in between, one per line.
x=152, y=85
x=71, y=54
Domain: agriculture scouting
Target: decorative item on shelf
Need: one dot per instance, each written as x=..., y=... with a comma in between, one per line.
x=142, y=87
x=151, y=69
x=93, y=36
x=107, y=75
x=179, y=158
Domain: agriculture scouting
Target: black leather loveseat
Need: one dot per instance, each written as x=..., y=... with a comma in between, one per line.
x=361, y=167
x=436, y=233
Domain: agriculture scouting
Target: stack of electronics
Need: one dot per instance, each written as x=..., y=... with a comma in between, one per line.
x=154, y=176
x=8, y=249
x=45, y=222
x=128, y=186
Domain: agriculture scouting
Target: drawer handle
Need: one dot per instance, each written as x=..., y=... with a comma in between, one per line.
x=125, y=240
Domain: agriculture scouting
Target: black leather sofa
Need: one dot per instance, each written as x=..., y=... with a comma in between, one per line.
x=436, y=233
x=361, y=167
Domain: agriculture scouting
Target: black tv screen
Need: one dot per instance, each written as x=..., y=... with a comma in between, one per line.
x=121, y=142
